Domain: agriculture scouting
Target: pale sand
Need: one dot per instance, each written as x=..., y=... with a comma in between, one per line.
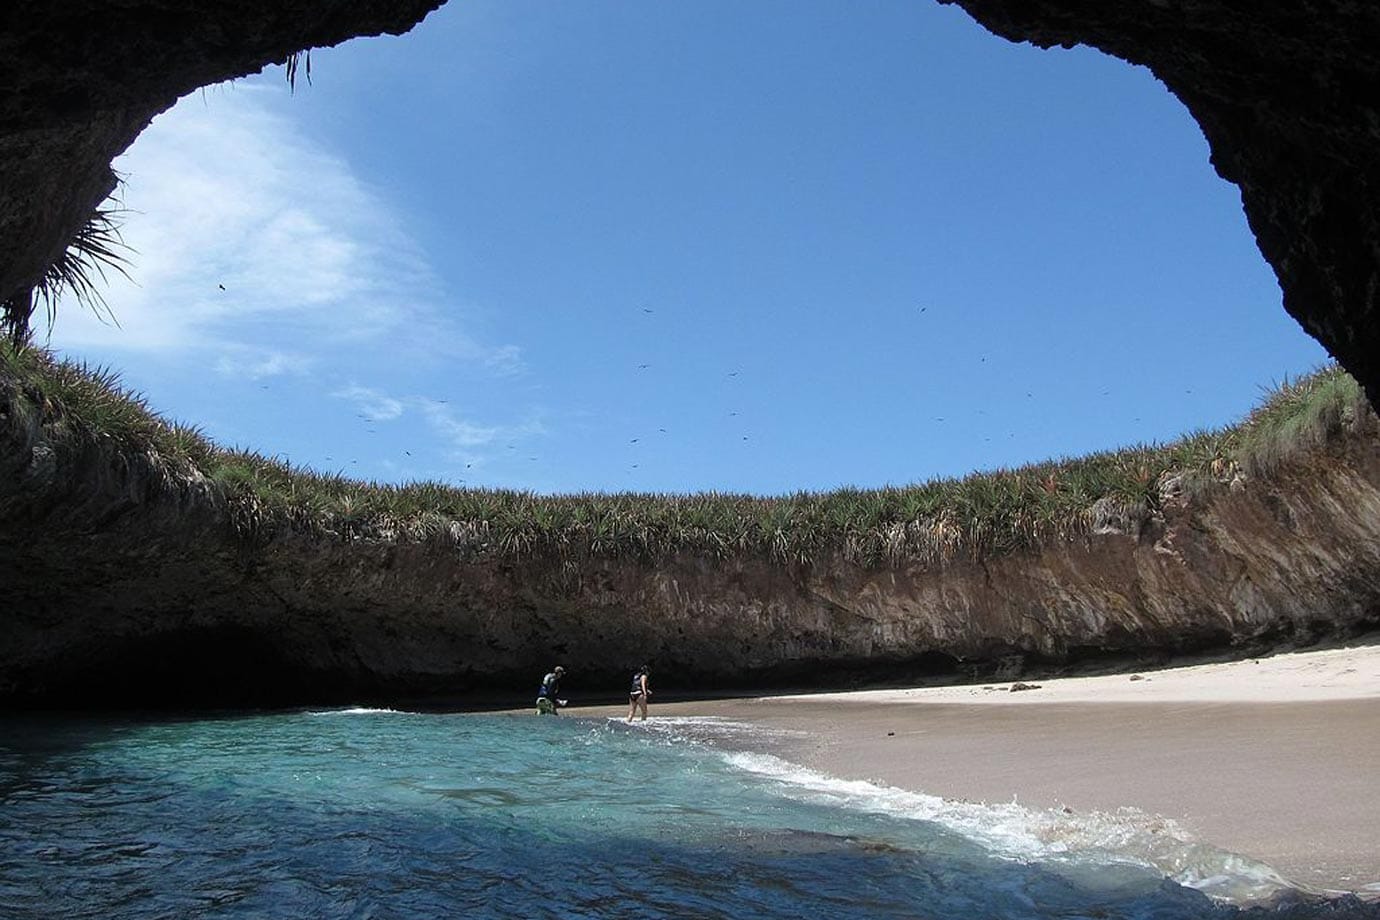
x=1274, y=758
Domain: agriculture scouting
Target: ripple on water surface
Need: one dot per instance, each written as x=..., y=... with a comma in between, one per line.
x=375, y=813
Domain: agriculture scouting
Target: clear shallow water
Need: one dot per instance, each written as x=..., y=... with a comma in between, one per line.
x=366, y=813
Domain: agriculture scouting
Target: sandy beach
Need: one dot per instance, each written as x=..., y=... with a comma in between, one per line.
x=1275, y=758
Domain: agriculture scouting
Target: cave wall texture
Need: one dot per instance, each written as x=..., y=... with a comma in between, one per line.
x=80, y=79
x=111, y=578
x=1286, y=94
x=123, y=579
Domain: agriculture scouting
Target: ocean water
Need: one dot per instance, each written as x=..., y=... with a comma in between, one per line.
x=361, y=813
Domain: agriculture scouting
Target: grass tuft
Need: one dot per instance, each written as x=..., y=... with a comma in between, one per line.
x=980, y=515
x=96, y=248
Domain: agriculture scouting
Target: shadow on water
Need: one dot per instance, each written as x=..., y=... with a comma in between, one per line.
x=97, y=820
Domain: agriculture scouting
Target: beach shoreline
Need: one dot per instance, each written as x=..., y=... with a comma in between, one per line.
x=1275, y=758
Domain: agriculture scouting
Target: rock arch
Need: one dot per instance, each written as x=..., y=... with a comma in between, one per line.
x=1285, y=94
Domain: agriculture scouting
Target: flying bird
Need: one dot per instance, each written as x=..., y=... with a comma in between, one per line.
x=408, y=452
x=643, y=367
x=221, y=286
x=633, y=441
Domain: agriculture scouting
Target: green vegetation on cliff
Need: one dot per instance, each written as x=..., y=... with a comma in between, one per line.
x=77, y=407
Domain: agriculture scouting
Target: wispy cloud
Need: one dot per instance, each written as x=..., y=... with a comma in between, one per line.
x=465, y=438
x=241, y=362
x=247, y=231
x=372, y=403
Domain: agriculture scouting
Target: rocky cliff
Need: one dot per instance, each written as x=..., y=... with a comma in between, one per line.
x=125, y=577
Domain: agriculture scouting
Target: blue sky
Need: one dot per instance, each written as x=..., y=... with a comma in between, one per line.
x=662, y=247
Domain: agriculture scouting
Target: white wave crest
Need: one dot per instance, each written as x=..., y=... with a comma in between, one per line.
x=1061, y=839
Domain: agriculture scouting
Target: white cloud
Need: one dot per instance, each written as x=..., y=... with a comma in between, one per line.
x=455, y=430
x=256, y=364
x=465, y=438
x=370, y=402
x=246, y=231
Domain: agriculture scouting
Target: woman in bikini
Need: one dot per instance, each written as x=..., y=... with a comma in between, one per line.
x=637, y=696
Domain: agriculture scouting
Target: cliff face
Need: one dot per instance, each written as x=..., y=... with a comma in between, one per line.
x=122, y=579
x=1284, y=92
x=119, y=575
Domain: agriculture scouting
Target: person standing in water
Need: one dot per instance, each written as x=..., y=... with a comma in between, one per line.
x=547, y=703
x=637, y=696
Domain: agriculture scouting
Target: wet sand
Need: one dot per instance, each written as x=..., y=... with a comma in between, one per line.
x=1277, y=758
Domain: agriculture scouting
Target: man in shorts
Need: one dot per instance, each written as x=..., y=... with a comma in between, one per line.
x=547, y=702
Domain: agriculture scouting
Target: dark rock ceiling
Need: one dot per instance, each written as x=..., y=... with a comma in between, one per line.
x=1287, y=94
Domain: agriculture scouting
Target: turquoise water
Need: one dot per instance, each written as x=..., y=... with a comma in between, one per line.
x=368, y=813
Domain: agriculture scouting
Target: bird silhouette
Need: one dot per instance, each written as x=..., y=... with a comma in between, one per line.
x=633, y=441
x=662, y=430
x=408, y=452
x=646, y=310
x=221, y=286
x=643, y=367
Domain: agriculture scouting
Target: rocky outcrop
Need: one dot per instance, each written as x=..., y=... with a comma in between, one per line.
x=1284, y=92
x=1286, y=96
x=125, y=578
x=79, y=80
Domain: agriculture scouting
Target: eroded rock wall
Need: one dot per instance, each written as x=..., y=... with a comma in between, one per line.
x=79, y=79
x=1286, y=94
x=122, y=579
